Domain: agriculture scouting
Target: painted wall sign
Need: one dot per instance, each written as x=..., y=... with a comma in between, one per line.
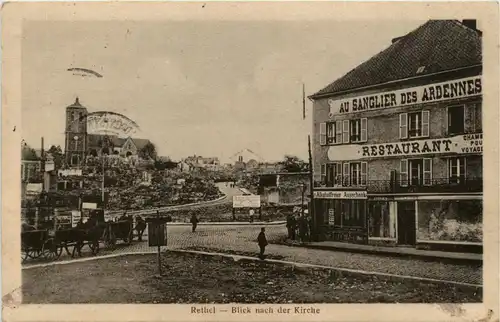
x=340, y=195
x=111, y=123
x=34, y=189
x=461, y=144
x=70, y=172
x=75, y=217
x=89, y=205
x=331, y=217
x=251, y=201
x=460, y=88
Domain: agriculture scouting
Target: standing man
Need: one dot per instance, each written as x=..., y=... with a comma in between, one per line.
x=194, y=221
x=252, y=212
x=140, y=226
x=293, y=226
x=262, y=241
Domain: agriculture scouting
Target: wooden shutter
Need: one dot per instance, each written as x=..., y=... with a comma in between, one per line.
x=345, y=131
x=364, y=173
x=347, y=181
x=364, y=129
x=427, y=172
x=403, y=125
x=403, y=172
x=338, y=132
x=323, y=173
x=330, y=133
x=425, y=123
x=339, y=174
x=322, y=133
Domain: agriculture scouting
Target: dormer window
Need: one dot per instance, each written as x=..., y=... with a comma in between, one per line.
x=420, y=70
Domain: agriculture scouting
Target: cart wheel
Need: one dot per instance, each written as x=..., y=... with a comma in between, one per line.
x=24, y=255
x=50, y=250
x=33, y=253
x=94, y=247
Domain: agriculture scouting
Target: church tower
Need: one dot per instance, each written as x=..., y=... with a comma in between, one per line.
x=76, y=134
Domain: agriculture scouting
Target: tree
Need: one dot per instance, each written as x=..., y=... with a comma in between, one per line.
x=28, y=153
x=294, y=164
x=148, y=151
x=57, y=154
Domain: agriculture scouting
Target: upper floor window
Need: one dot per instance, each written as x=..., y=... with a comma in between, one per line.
x=345, y=131
x=344, y=174
x=456, y=119
x=456, y=170
x=332, y=174
x=414, y=125
x=415, y=172
x=355, y=173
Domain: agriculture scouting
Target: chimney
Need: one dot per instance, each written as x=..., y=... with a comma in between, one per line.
x=470, y=23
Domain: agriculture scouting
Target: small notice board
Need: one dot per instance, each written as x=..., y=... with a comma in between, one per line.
x=157, y=233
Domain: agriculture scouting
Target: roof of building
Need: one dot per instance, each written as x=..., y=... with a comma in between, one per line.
x=94, y=140
x=76, y=104
x=436, y=46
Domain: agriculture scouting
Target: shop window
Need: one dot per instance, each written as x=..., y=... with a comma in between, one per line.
x=355, y=173
x=450, y=220
x=380, y=222
x=414, y=125
x=457, y=170
x=333, y=174
x=456, y=120
x=415, y=172
x=75, y=160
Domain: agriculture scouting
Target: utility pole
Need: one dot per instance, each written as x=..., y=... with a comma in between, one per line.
x=311, y=182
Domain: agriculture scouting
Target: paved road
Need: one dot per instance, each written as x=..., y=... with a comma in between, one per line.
x=241, y=239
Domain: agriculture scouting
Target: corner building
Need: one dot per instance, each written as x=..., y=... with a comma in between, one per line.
x=397, y=144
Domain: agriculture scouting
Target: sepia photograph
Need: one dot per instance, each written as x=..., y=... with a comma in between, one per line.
x=241, y=162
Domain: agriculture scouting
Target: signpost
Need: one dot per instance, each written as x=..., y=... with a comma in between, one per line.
x=157, y=235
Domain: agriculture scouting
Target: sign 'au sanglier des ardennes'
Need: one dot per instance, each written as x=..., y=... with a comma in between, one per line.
x=461, y=88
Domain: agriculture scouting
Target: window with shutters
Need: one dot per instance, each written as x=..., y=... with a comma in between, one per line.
x=473, y=118
x=415, y=172
x=414, y=125
x=456, y=120
x=354, y=174
x=330, y=133
x=333, y=174
x=456, y=170
x=358, y=130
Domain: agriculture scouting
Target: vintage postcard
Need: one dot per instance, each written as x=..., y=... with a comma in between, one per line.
x=250, y=161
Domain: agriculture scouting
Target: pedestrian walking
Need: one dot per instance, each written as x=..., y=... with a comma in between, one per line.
x=140, y=226
x=262, y=241
x=194, y=222
x=293, y=227
x=303, y=228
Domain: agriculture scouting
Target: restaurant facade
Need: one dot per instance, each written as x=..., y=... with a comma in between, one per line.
x=397, y=144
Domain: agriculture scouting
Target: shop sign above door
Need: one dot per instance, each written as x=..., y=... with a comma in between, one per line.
x=459, y=88
x=461, y=144
x=340, y=195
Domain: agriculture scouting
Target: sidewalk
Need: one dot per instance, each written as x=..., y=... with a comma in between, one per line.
x=392, y=251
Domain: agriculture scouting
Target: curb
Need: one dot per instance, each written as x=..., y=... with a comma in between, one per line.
x=230, y=223
x=388, y=253
x=236, y=258
x=148, y=211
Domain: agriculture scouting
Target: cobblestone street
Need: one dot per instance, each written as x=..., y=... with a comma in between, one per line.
x=229, y=238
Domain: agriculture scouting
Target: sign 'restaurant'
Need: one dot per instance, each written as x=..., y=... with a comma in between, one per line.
x=461, y=144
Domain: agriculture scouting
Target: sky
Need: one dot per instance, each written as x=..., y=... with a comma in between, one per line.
x=194, y=87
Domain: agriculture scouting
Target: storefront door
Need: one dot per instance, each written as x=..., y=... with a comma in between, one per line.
x=406, y=223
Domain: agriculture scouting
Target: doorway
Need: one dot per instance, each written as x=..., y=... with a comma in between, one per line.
x=406, y=223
